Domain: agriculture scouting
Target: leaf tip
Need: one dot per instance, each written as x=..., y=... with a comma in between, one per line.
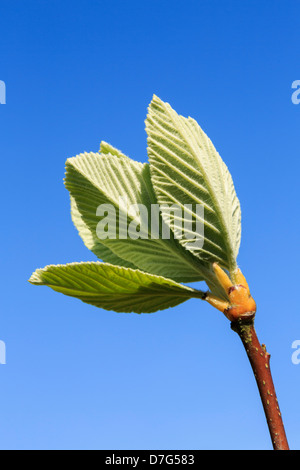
x=35, y=278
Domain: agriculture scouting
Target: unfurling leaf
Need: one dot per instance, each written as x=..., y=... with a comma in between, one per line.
x=113, y=287
x=116, y=183
x=187, y=170
x=112, y=201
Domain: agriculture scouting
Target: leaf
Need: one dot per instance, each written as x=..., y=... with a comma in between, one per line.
x=91, y=240
x=113, y=287
x=93, y=180
x=186, y=169
x=106, y=148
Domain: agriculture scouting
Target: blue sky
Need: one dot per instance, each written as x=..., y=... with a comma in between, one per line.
x=80, y=72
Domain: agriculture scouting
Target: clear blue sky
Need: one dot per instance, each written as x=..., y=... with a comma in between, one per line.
x=78, y=72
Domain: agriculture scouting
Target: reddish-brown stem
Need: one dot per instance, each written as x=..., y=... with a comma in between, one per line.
x=260, y=362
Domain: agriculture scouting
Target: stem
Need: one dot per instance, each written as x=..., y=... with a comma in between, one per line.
x=260, y=362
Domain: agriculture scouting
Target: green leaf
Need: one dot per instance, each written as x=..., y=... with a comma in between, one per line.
x=94, y=179
x=114, y=287
x=91, y=240
x=106, y=148
x=187, y=169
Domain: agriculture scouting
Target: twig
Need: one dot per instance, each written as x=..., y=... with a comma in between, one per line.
x=260, y=362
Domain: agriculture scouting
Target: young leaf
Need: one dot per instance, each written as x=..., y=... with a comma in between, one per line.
x=91, y=240
x=106, y=148
x=187, y=169
x=114, y=287
x=93, y=180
